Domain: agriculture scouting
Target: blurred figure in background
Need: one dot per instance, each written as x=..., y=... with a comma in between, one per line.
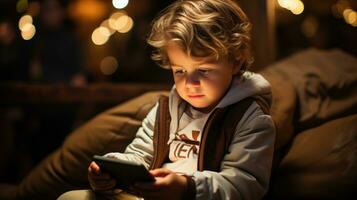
x=53, y=56
x=9, y=52
x=57, y=56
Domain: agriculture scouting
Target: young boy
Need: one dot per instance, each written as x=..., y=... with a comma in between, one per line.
x=206, y=44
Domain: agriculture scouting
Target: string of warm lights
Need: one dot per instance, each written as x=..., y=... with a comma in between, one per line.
x=117, y=22
x=341, y=9
x=121, y=22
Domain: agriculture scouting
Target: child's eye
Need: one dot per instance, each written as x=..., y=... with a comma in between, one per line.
x=179, y=71
x=204, y=71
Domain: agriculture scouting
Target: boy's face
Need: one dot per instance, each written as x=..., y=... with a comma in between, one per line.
x=199, y=81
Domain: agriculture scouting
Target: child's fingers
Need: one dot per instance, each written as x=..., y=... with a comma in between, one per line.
x=160, y=172
x=158, y=184
x=101, y=176
x=94, y=168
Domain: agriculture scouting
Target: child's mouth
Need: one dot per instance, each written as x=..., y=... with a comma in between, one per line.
x=195, y=96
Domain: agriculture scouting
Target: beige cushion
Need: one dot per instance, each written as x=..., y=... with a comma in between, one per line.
x=325, y=82
x=283, y=106
x=321, y=163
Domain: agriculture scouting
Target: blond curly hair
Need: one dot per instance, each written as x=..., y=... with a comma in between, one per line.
x=203, y=28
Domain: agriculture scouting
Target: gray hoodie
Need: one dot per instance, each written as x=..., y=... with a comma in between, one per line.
x=245, y=170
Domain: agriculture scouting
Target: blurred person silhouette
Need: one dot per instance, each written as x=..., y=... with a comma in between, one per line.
x=9, y=52
x=57, y=54
x=54, y=58
x=10, y=115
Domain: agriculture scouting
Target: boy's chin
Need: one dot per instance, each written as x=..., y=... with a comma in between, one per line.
x=197, y=105
x=202, y=107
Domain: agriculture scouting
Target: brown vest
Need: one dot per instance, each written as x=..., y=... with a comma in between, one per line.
x=216, y=136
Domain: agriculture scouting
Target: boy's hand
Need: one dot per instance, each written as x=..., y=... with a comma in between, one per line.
x=168, y=185
x=99, y=180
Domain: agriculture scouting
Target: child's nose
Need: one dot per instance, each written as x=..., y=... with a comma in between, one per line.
x=193, y=80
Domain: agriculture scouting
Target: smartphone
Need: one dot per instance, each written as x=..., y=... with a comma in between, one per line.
x=125, y=172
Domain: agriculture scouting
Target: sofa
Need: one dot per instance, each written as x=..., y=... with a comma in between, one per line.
x=314, y=109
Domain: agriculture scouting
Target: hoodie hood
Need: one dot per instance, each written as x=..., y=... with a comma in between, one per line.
x=247, y=85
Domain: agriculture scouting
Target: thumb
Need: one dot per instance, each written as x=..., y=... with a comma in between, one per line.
x=160, y=172
x=94, y=168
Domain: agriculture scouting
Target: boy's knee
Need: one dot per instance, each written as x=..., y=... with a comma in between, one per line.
x=78, y=195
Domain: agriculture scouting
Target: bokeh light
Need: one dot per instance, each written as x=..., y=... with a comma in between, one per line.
x=112, y=21
x=109, y=65
x=120, y=22
x=295, y=6
x=120, y=4
x=309, y=26
x=26, y=19
x=88, y=10
x=349, y=15
x=124, y=24
x=100, y=36
x=104, y=31
x=28, y=31
x=105, y=24
x=343, y=9
x=298, y=9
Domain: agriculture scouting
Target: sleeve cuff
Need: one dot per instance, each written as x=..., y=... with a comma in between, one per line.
x=191, y=189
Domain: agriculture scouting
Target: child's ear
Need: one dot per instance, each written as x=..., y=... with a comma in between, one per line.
x=237, y=64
